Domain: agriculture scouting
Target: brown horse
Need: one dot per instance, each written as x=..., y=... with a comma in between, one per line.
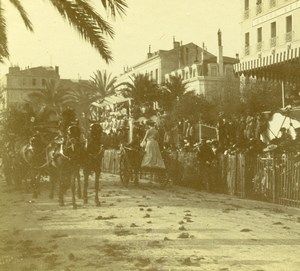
x=65, y=157
x=92, y=160
x=32, y=164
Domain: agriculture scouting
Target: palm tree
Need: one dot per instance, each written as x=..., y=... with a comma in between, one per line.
x=172, y=92
x=176, y=87
x=50, y=97
x=102, y=84
x=142, y=89
x=143, y=92
x=81, y=100
x=80, y=15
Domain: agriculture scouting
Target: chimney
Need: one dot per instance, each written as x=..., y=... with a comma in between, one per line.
x=57, y=70
x=196, y=53
x=220, y=56
x=176, y=44
x=202, y=53
x=149, y=53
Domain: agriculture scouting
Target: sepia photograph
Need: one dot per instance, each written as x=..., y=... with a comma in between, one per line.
x=149, y=135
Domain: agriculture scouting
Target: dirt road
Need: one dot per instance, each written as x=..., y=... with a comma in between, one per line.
x=146, y=228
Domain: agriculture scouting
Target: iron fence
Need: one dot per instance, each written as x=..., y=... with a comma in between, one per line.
x=264, y=177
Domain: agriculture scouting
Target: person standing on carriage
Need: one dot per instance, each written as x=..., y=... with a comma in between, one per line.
x=152, y=158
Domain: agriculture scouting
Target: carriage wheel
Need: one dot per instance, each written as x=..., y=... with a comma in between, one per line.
x=124, y=171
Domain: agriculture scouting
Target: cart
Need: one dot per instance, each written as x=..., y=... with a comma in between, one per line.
x=130, y=167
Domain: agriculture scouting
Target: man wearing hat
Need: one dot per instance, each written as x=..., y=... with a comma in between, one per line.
x=205, y=156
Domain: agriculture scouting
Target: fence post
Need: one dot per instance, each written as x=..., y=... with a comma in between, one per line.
x=274, y=180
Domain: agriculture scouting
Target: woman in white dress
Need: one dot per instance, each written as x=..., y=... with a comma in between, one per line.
x=152, y=158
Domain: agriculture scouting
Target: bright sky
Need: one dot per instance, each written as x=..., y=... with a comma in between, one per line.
x=148, y=22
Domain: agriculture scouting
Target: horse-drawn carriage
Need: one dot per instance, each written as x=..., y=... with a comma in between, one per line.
x=58, y=156
x=130, y=167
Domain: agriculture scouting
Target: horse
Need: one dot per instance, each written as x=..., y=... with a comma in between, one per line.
x=93, y=160
x=8, y=164
x=32, y=164
x=65, y=155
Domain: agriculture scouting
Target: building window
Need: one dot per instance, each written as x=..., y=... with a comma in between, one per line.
x=246, y=9
x=24, y=81
x=186, y=75
x=289, y=29
x=258, y=6
x=156, y=75
x=43, y=82
x=151, y=75
x=247, y=43
x=259, y=39
x=34, y=82
x=273, y=34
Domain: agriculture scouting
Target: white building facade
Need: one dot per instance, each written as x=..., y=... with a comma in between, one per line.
x=270, y=32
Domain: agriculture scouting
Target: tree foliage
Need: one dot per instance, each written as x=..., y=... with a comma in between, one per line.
x=193, y=107
x=50, y=97
x=172, y=92
x=102, y=84
x=80, y=99
x=262, y=95
x=141, y=89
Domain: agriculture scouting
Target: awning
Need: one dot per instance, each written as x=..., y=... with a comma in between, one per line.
x=266, y=61
x=111, y=100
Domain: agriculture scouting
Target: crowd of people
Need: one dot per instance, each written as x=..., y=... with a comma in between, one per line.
x=245, y=133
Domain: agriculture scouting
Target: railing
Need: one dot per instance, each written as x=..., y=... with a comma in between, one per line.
x=289, y=36
x=277, y=180
x=259, y=46
x=247, y=50
x=288, y=187
x=273, y=42
x=258, y=8
x=267, y=178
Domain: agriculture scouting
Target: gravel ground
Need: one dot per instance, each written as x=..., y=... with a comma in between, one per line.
x=146, y=228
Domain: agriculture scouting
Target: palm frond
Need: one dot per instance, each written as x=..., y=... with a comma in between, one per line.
x=104, y=84
x=85, y=24
x=23, y=13
x=103, y=25
x=115, y=6
x=3, y=38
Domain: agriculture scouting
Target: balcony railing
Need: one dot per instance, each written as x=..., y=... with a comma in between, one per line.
x=258, y=9
x=273, y=42
x=289, y=36
x=272, y=3
x=246, y=13
x=259, y=46
x=247, y=50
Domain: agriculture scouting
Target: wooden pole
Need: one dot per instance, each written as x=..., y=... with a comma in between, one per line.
x=200, y=132
x=130, y=121
x=282, y=94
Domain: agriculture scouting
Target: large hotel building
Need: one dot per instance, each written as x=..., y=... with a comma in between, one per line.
x=270, y=40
